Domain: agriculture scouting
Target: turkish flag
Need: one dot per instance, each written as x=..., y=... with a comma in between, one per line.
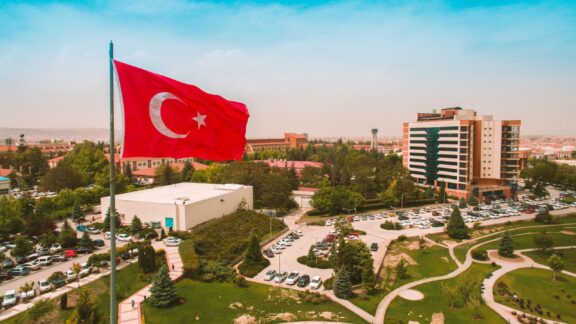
x=167, y=118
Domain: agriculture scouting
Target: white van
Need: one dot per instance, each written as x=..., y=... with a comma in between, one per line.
x=45, y=260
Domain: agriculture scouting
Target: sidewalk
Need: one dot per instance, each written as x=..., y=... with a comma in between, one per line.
x=133, y=315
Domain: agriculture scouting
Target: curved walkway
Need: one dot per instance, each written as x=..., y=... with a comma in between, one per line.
x=380, y=315
x=506, y=267
x=133, y=315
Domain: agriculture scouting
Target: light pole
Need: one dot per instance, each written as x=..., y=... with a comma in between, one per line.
x=270, y=235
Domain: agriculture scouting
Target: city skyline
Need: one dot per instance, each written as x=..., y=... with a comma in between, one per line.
x=331, y=70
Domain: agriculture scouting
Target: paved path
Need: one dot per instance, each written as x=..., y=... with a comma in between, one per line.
x=506, y=267
x=133, y=315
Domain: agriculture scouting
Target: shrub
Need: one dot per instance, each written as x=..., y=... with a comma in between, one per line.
x=388, y=225
x=402, y=238
x=480, y=255
x=321, y=264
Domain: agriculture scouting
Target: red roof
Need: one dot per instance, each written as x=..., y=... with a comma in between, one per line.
x=150, y=172
x=5, y=172
x=6, y=148
x=56, y=159
x=298, y=165
x=307, y=189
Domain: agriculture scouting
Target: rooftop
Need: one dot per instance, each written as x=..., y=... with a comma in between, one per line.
x=184, y=191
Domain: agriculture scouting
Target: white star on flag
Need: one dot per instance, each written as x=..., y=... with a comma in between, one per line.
x=200, y=119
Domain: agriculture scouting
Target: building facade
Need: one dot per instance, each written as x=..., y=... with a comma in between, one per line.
x=290, y=141
x=463, y=152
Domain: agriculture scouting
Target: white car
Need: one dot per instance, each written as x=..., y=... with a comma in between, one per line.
x=55, y=248
x=44, y=286
x=292, y=278
x=34, y=265
x=316, y=283
x=28, y=294
x=10, y=298
x=2, y=248
x=286, y=243
x=85, y=270
x=270, y=274
x=107, y=235
x=172, y=241
x=328, y=223
x=123, y=237
x=275, y=249
x=299, y=233
x=70, y=275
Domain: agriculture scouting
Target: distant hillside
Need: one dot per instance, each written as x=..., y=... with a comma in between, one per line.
x=66, y=134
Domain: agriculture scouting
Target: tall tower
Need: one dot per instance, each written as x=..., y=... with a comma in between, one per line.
x=374, y=144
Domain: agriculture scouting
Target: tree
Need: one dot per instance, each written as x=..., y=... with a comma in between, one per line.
x=311, y=256
x=136, y=225
x=353, y=255
x=401, y=270
x=88, y=160
x=76, y=268
x=462, y=203
x=40, y=309
x=556, y=264
x=421, y=243
x=23, y=247
x=165, y=175
x=540, y=190
x=128, y=172
x=472, y=201
x=342, y=284
x=68, y=237
x=86, y=311
x=441, y=195
x=187, y=171
x=506, y=247
x=253, y=258
x=36, y=224
x=162, y=234
x=163, y=292
x=146, y=257
x=46, y=240
x=60, y=177
x=456, y=227
x=544, y=217
x=543, y=242
x=77, y=214
x=106, y=223
x=64, y=301
x=368, y=278
x=85, y=241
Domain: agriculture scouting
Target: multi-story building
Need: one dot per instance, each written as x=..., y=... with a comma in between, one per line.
x=290, y=141
x=463, y=152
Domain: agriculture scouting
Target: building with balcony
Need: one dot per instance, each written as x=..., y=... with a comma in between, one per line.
x=463, y=152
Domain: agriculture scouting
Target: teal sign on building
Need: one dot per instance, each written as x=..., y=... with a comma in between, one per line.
x=168, y=222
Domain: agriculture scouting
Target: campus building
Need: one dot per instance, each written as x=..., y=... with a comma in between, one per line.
x=290, y=141
x=180, y=206
x=463, y=152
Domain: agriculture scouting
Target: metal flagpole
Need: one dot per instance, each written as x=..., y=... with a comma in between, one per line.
x=113, y=303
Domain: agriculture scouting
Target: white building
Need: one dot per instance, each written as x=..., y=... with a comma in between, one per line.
x=180, y=206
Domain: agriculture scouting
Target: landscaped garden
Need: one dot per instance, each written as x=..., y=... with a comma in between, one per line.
x=526, y=241
x=568, y=256
x=223, y=302
x=538, y=294
x=455, y=300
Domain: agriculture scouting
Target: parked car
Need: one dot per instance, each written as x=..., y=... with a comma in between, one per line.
x=45, y=260
x=299, y=233
x=44, y=286
x=280, y=276
x=5, y=276
x=85, y=270
x=43, y=251
x=32, y=256
x=93, y=230
x=81, y=228
x=172, y=241
x=34, y=265
x=150, y=235
x=59, y=258
x=7, y=263
x=10, y=298
x=270, y=274
x=316, y=283
x=58, y=280
x=26, y=295
x=20, y=270
x=9, y=245
x=268, y=253
x=3, y=248
x=70, y=253
x=374, y=247
x=70, y=275
x=123, y=237
x=107, y=235
x=275, y=250
x=292, y=278
x=303, y=281
x=55, y=248
x=98, y=243
x=83, y=250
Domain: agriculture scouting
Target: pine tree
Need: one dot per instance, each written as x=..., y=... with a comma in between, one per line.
x=462, y=203
x=555, y=263
x=163, y=291
x=456, y=227
x=342, y=284
x=136, y=225
x=368, y=278
x=401, y=271
x=77, y=214
x=147, y=257
x=128, y=172
x=162, y=234
x=68, y=236
x=253, y=256
x=472, y=201
x=311, y=255
x=85, y=241
x=106, y=223
x=442, y=195
x=506, y=248
x=187, y=171
x=86, y=311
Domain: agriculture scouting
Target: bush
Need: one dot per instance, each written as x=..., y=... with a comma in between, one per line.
x=183, y=235
x=317, y=223
x=480, y=255
x=250, y=270
x=241, y=281
x=321, y=264
x=329, y=283
x=402, y=238
x=388, y=225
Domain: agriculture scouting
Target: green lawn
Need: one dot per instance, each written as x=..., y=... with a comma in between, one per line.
x=128, y=282
x=402, y=311
x=527, y=242
x=536, y=285
x=569, y=258
x=217, y=303
x=431, y=262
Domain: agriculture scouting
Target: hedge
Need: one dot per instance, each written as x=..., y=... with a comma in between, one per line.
x=322, y=264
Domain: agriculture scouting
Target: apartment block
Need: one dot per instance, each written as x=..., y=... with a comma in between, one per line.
x=463, y=152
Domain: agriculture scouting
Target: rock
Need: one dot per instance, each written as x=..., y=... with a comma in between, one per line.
x=437, y=318
x=245, y=319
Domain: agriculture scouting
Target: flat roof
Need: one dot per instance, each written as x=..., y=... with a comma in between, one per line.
x=180, y=192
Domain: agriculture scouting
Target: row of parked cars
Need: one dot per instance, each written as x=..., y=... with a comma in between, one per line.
x=282, y=244
x=293, y=278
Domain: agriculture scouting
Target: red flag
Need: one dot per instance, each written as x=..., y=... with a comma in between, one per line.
x=167, y=118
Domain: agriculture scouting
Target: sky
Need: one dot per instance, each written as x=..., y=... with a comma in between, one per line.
x=328, y=69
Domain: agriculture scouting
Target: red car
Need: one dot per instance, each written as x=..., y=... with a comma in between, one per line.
x=70, y=253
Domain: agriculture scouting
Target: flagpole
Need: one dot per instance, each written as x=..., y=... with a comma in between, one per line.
x=113, y=303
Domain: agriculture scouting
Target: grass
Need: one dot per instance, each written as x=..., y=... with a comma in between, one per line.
x=536, y=285
x=527, y=242
x=227, y=238
x=190, y=259
x=129, y=281
x=569, y=258
x=218, y=303
x=431, y=262
x=401, y=310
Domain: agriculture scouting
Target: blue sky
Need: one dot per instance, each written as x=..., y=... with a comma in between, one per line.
x=326, y=68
